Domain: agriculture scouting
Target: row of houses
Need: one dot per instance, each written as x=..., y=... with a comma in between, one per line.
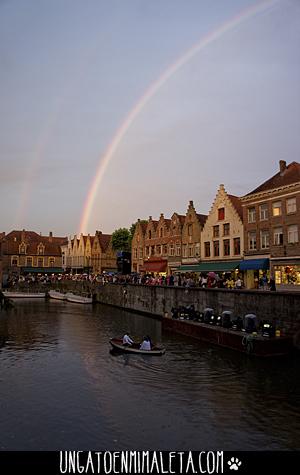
x=255, y=234
x=27, y=252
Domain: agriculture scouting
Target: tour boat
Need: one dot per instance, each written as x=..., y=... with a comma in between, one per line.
x=15, y=295
x=78, y=298
x=56, y=294
x=117, y=343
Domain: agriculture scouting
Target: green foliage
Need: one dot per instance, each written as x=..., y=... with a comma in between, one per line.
x=121, y=240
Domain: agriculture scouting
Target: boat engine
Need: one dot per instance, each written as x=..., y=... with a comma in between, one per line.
x=268, y=329
x=250, y=323
x=226, y=318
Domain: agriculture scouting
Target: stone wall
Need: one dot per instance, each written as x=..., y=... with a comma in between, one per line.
x=281, y=307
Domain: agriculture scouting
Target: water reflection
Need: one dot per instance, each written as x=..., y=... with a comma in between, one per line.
x=62, y=387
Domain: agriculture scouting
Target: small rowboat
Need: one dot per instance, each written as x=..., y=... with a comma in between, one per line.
x=117, y=343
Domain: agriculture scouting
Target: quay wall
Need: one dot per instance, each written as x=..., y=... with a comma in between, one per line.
x=282, y=308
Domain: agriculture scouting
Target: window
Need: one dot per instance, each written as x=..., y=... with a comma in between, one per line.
x=264, y=239
x=216, y=248
x=141, y=252
x=221, y=214
x=14, y=261
x=278, y=237
x=207, y=249
x=28, y=261
x=190, y=229
x=226, y=247
x=152, y=250
x=147, y=250
x=165, y=249
x=226, y=229
x=197, y=249
x=161, y=232
x=191, y=251
x=264, y=212
x=251, y=215
x=40, y=249
x=252, y=241
x=184, y=250
x=291, y=206
x=171, y=250
x=293, y=233
x=150, y=234
x=158, y=249
x=216, y=232
x=135, y=253
x=178, y=249
x=276, y=208
x=40, y=262
x=236, y=246
x=52, y=261
x=22, y=248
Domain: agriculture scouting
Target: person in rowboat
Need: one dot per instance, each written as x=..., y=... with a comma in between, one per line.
x=146, y=344
x=127, y=340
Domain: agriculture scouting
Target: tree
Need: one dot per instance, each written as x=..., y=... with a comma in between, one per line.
x=120, y=240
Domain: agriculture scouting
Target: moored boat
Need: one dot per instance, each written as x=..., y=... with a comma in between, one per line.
x=117, y=343
x=56, y=294
x=78, y=298
x=15, y=295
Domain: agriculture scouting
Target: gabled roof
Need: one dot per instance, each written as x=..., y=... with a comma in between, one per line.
x=290, y=175
x=104, y=240
x=202, y=218
x=235, y=200
x=32, y=240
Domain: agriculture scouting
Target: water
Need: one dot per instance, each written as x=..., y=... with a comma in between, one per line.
x=62, y=389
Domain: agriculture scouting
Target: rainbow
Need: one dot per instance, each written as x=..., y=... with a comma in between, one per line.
x=214, y=35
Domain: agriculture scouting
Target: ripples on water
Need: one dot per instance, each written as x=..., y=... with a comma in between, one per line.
x=62, y=388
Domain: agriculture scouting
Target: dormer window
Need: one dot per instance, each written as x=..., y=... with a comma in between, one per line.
x=40, y=249
x=22, y=248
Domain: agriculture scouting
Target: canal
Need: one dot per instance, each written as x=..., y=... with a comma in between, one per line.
x=62, y=389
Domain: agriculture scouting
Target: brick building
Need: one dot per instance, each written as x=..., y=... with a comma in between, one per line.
x=191, y=237
x=26, y=252
x=271, y=227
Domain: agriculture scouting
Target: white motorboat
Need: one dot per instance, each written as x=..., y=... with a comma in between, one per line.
x=56, y=294
x=78, y=298
x=16, y=295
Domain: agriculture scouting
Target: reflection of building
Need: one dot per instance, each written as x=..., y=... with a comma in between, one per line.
x=26, y=252
x=271, y=227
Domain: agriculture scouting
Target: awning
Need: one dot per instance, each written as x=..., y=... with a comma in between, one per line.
x=255, y=264
x=155, y=266
x=213, y=266
x=43, y=270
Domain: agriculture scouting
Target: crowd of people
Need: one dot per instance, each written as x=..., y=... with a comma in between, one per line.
x=203, y=280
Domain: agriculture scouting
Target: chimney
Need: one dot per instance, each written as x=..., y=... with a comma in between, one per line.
x=191, y=203
x=50, y=236
x=282, y=166
x=150, y=218
x=161, y=215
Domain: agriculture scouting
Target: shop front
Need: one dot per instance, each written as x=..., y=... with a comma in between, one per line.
x=155, y=266
x=255, y=272
x=286, y=273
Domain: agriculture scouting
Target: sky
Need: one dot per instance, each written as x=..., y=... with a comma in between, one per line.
x=106, y=118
